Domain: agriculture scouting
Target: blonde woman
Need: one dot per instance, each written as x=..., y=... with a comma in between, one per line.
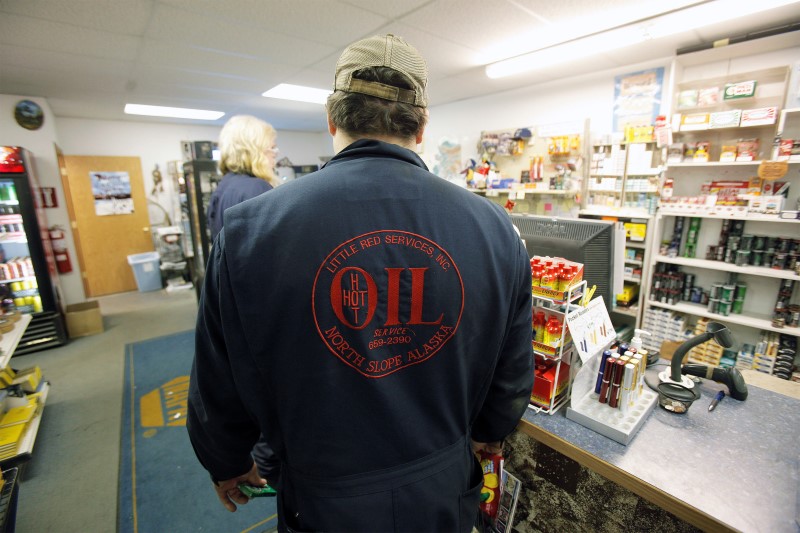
x=247, y=161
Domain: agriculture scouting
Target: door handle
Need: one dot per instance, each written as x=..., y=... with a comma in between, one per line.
x=145, y=228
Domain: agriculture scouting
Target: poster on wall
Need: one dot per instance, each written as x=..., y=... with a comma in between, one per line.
x=637, y=98
x=112, y=193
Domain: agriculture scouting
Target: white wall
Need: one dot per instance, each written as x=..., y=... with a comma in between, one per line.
x=568, y=100
x=41, y=144
x=573, y=99
x=153, y=143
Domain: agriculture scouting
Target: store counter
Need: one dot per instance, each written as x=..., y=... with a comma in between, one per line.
x=734, y=468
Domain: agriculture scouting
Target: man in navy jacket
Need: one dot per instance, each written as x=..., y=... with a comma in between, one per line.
x=372, y=320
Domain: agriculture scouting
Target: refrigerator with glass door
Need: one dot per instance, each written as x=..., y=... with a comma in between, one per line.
x=28, y=277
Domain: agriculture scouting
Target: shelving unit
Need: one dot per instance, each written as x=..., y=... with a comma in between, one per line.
x=25, y=444
x=11, y=339
x=762, y=282
x=556, y=357
x=769, y=92
x=618, y=171
x=630, y=315
x=555, y=191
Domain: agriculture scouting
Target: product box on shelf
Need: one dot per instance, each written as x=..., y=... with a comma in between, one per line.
x=762, y=116
x=765, y=204
x=725, y=119
x=84, y=319
x=694, y=121
x=556, y=278
x=545, y=386
x=635, y=231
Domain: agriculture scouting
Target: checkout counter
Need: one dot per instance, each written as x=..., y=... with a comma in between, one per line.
x=731, y=469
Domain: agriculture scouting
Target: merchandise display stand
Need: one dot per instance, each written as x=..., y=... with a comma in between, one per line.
x=560, y=354
x=26, y=441
x=587, y=327
x=586, y=410
x=11, y=339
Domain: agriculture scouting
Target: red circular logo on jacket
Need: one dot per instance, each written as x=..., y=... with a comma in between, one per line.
x=386, y=300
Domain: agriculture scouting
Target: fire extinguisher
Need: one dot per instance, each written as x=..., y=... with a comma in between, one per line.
x=59, y=243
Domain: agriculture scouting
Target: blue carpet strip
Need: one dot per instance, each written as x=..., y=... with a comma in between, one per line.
x=162, y=487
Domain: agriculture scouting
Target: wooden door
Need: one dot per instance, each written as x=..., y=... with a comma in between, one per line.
x=104, y=241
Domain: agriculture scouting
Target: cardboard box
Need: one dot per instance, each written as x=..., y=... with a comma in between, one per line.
x=668, y=349
x=84, y=319
x=544, y=387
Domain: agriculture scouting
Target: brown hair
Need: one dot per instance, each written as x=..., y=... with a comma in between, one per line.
x=360, y=114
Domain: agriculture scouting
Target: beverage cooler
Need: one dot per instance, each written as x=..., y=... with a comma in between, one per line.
x=28, y=276
x=201, y=177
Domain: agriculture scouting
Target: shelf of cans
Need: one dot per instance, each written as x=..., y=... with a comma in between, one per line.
x=557, y=284
x=735, y=247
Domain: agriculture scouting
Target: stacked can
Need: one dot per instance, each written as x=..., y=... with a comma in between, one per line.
x=738, y=298
x=784, y=311
x=690, y=250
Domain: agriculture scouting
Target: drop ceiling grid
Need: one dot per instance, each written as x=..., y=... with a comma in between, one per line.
x=126, y=17
x=315, y=21
x=60, y=37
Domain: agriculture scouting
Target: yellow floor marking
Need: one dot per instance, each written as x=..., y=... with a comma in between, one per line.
x=150, y=409
x=251, y=528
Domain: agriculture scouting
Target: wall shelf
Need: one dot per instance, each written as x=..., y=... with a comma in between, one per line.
x=750, y=217
x=11, y=339
x=729, y=267
x=753, y=321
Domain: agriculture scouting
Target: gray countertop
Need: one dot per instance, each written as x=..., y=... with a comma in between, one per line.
x=738, y=463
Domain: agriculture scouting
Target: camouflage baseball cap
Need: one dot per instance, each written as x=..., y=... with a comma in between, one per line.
x=383, y=51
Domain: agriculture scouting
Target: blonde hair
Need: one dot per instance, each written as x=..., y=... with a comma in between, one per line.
x=242, y=143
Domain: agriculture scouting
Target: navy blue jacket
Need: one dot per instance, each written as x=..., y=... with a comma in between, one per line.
x=368, y=319
x=232, y=189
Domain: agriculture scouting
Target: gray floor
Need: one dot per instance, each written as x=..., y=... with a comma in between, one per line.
x=71, y=482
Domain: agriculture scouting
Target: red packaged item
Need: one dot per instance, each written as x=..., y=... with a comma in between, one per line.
x=492, y=466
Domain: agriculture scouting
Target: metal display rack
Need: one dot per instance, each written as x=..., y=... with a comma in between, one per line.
x=563, y=352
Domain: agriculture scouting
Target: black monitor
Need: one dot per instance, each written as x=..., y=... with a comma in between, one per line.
x=591, y=242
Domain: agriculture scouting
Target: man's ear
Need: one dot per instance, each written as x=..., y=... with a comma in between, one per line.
x=420, y=135
x=331, y=126
x=421, y=132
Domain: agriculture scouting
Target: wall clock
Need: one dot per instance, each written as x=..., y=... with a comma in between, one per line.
x=29, y=115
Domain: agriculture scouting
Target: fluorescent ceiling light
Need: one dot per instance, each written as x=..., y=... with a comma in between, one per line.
x=679, y=21
x=173, y=112
x=286, y=91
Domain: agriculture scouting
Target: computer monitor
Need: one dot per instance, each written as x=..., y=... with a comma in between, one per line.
x=591, y=242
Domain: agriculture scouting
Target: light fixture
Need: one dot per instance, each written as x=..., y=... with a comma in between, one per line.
x=172, y=112
x=299, y=93
x=678, y=21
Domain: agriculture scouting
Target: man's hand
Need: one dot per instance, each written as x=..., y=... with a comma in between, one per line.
x=495, y=448
x=228, y=491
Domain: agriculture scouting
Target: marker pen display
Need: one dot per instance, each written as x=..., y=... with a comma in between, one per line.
x=616, y=383
x=606, y=386
x=627, y=386
x=603, y=358
x=638, y=378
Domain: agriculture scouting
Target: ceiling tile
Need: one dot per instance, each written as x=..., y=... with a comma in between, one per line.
x=26, y=31
x=472, y=24
x=321, y=21
x=391, y=9
x=128, y=17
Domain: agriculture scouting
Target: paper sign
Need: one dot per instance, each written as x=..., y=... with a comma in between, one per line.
x=591, y=329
